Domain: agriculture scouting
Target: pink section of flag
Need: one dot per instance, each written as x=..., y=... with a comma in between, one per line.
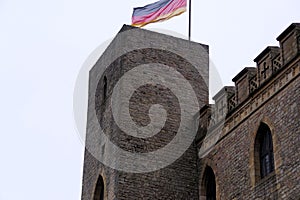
x=158, y=11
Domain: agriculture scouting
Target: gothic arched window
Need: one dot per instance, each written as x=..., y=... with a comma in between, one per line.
x=104, y=88
x=99, y=190
x=208, y=189
x=264, y=149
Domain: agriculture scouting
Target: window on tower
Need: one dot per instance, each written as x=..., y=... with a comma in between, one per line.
x=99, y=189
x=104, y=88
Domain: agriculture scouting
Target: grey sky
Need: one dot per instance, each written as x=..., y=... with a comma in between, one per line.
x=43, y=45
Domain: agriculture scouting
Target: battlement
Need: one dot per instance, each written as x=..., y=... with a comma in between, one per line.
x=275, y=67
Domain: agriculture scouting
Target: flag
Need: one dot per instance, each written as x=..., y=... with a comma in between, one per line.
x=158, y=11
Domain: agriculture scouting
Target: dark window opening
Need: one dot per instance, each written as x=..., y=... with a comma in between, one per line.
x=99, y=190
x=209, y=184
x=104, y=88
x=263, y=152
x=266, y=151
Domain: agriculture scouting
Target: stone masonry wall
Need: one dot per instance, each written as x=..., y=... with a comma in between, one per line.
x=233, y=158
x=176, y=181
x=233, y=154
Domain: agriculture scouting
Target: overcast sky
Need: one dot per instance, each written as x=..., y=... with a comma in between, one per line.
x=43, y=45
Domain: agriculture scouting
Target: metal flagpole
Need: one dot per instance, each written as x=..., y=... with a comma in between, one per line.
x=190, y=18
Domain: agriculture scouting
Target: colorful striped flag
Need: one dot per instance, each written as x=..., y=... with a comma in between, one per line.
x=158, y=11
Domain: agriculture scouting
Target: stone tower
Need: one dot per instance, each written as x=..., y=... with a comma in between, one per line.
x=145, y=78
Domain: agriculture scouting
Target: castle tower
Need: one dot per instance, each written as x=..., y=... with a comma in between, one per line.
x=144, y=93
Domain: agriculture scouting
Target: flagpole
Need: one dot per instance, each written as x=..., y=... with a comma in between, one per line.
x=190, y=18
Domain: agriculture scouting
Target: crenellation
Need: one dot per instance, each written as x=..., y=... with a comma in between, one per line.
x=263, y=96
x=242, y=83
x=221, y=99
x=264, y=62
x=269, y=63
x=289, y=42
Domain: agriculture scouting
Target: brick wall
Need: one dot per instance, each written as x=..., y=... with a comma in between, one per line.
x=234, y=158
x=176, y=181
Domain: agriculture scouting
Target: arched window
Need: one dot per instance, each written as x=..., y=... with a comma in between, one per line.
x=208, y=189
x=99, y=190
x=104, y=88
x=264, y=151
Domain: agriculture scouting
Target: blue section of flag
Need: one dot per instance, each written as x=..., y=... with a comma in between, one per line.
x=150, y=8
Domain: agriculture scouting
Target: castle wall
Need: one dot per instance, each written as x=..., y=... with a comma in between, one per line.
x=274, y=101
x=233, y=157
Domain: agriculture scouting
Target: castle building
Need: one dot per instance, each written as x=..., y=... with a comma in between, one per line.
x=245, y=146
